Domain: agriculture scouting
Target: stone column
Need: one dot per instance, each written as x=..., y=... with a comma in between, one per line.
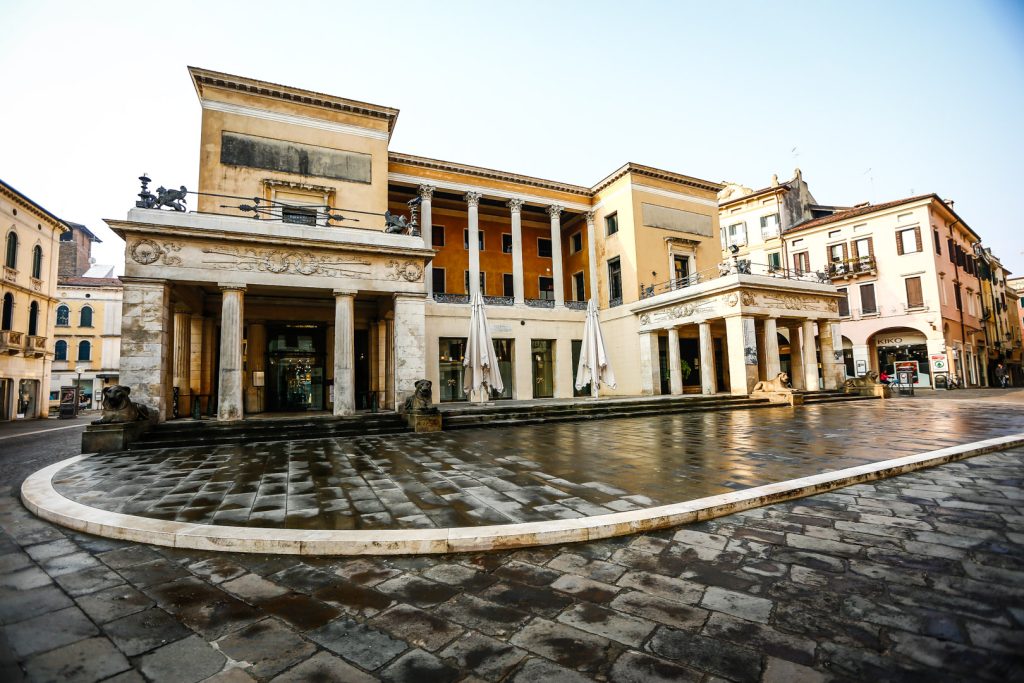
x=256, y=345
x=473, y=204
x=708, y=383
x=146, y=343
x=207, y=361
x=650, y=370
x=772, y=364
x=796, y=358
x=196, y=360
x=344, y=352
x=389, y=359
x=229, y=385
x=826, y=341
x=555, y=212
x=183, y=359
x=516, y=209
x=742, y=363
x=592, y=256
x=810, y=357
x=675, y=369
x=410, y=344
x=427, y=230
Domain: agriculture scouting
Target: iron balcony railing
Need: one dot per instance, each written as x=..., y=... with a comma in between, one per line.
x=862, y=265
x=727, y=268
x=540, y=303
x=576, y=305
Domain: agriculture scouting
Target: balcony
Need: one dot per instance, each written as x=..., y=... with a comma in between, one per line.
x=576, y=305
x=12, y=342
x=731, y=268
x=540, y=303
x=35, y=347
x=851, y=268
x=499, y=300
x=443, y=298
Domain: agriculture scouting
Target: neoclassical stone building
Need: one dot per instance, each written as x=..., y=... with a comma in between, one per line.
x=283, y=291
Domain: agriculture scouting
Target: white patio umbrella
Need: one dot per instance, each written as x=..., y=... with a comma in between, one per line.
x=594, y=366
x=481, y=363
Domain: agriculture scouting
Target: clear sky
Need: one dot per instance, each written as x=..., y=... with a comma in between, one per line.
x=873, y=101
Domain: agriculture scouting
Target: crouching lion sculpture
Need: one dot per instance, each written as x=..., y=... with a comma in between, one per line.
x=780, y=383
x=865, y=381
x=118, y=407
x=420, y=401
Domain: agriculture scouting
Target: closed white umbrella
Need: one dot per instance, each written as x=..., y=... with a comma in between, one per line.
x=594, y=366
x=481, y=362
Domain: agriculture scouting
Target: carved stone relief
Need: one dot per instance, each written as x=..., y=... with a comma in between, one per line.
x=279, y=261
x=147, y=252
x=410, y=271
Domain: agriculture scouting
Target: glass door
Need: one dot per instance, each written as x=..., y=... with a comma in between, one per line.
x=295, y=368
x=451, y=354
x=503, y=349
x=542, y=352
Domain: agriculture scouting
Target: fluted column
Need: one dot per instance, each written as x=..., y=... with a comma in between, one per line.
x=229, y=386
x=675, y=368
x=182, y=371
x=473, y=208
x=592, y=255
x=772, y=364
x=650, y=372
x=427, y=230
x=555, y=212
x=516, y=208
x=256, y=346
x=826, y=342
x=344, y=352
x=741, y=341
x=810, y=355
x=796, y=358
x=708, y=384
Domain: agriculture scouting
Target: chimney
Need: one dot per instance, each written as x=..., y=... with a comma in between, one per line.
x=948, y=202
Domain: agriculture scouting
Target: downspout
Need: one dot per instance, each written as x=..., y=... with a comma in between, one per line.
x=956, y=281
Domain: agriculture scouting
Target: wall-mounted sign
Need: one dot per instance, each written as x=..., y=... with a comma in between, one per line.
x=939, y=362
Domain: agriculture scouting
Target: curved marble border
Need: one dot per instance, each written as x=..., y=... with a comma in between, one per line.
x=43, y=500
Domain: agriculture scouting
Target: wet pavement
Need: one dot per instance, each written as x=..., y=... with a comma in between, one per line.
x=916, y=578
x=520, y=474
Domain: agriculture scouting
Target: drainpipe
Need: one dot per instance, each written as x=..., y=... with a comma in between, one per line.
x=956, y=281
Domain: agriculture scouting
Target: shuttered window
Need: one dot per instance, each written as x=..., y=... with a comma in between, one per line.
x=938, y=245
x=867, y=299
x=863, y=247
x=958, y=297
x=802, y=262
x=844, y=303
x=950, y=250
x=915, y=297
x=908, y=241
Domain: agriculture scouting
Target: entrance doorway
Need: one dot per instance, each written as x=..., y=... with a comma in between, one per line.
x=295, y=367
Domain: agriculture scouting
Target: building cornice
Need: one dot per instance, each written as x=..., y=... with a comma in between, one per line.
x=21, y=199
x=657, y=174
x=489, y=173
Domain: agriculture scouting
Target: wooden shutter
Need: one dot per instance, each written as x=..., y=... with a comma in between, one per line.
x=950, y=250
x=871, y=246
x=867, y=299
x=917, y=237
x=899, y=242
x=915, y=297
x=846, y=252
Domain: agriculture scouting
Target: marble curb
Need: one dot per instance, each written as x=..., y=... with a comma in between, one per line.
x=43, y=500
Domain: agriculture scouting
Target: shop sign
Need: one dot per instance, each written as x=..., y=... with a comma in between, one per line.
x=907, y=366
x=901, y=340
x=939, y=362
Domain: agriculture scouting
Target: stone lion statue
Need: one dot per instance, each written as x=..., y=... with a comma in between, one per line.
x=420, y=401
x=118, y=407
x=780, y=383
x=868, y=379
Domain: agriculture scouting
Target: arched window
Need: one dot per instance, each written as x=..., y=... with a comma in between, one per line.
x=12, y=249
x=84, y=350
x=60, y=351
x=63, y=316
x=85, y=317
x=37, y=262
x=8, y=314
x=33, y=319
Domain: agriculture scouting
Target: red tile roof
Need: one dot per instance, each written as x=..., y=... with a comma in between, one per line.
x=89, y=281
x=858, y=211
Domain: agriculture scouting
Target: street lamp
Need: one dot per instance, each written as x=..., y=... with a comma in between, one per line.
x=78, y=388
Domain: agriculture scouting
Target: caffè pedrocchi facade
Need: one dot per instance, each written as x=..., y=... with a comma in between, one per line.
x=314, y=269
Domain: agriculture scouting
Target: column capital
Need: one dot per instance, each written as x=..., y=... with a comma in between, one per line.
x=345, y=292
x=515, y=204
x=231, y=286
x=426, y=192
x=181, y=309
x=590, y=217
x=473, y=198
x=555, y=210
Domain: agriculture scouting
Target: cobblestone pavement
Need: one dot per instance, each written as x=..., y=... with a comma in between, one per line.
x=519, y=474
x=915, y=578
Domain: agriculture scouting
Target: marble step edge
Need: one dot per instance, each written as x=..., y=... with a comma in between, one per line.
x=44, y=501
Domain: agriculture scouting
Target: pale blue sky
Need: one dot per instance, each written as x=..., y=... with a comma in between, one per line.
x=927, y=95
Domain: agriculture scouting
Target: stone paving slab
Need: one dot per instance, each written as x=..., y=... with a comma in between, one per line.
x=919, y=577
x=526, y=474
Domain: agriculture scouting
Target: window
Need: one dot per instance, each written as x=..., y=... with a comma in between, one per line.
x=84, y=350
x=483, y=283
x=863, y=248
x=801, y=262
x=437, y=235
x=298, y=215
x=844, y=303
x=614, y=282
x=908, y=241
x=12, y=250
x=63, y=316
x=543, y=247
x=737, y=234
x=774, y=261
x=611, y=224
x=950, y=251
x=769, y=226
x=506, y=243
x=438, y=280
x=8, y=312
x=938, y=244
x=508, y=285
x=33, y=319
x=837, y=253
x=60, y=350
x=547, y=288
x=37, y=262
x=680, y=269
x=915, y=296
x=867, y=299
x=479, y=236
x=576, y=243
x=85, y=317
x=580, y=286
